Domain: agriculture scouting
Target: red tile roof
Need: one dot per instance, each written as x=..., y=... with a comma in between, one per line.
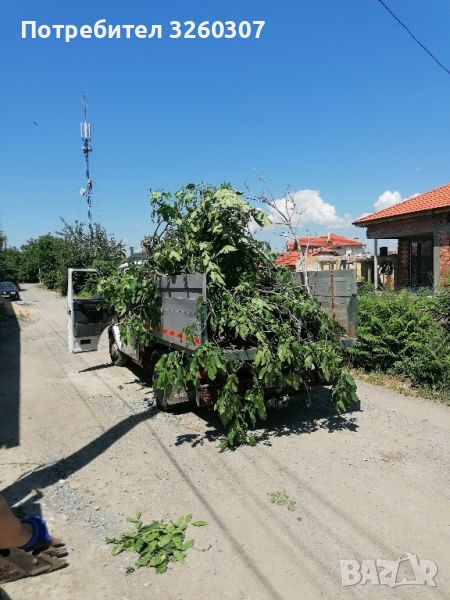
x=290, y=258
x=437, y=198
x=326, y=241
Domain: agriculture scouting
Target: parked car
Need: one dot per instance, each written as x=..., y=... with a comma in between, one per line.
x=9, y=290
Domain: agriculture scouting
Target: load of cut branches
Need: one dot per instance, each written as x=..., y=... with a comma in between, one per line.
x=251, y=303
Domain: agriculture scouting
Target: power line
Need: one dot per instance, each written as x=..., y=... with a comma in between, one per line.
x=436, y=60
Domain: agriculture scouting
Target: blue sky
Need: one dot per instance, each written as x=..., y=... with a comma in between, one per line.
x=334, y=97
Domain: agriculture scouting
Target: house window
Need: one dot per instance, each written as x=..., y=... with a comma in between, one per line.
x=421, y=263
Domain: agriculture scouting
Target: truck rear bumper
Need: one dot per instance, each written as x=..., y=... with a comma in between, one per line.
x=207, y=394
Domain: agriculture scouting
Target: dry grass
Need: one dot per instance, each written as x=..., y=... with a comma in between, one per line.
x=402, y=385
x=22, y=313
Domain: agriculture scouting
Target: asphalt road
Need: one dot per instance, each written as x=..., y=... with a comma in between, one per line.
x=84, y=445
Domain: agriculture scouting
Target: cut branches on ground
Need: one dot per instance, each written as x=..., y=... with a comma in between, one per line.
x=158, y=543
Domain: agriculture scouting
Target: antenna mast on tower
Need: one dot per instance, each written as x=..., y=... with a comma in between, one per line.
x=86, y=148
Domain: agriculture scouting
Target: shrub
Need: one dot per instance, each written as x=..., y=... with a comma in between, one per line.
x=404, y=333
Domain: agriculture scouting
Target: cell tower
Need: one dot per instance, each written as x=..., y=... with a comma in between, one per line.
x=86, y=148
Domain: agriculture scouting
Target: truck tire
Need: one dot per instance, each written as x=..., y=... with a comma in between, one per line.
x=161, y=400
x=118, y=358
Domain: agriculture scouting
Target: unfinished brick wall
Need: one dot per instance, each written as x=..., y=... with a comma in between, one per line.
x=441, y=222
x=444, y=254
x=404, y=259
x=435, y=225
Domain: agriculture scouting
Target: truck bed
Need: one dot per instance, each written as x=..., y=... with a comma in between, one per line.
x=183, y=295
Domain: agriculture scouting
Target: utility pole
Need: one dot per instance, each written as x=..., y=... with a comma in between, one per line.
x=86, y=149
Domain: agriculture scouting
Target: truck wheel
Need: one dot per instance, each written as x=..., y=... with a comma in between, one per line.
x=118, y=358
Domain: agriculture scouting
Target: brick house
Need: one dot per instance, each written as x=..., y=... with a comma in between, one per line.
x=322, y=252
x=325, y=257
x=422, y=227
x=331, y=241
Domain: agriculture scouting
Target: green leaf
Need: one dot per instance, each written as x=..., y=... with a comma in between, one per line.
x=162, y=568
x=199, y=523
x=187, y=544
x=157, y=560
x=227, y=249
x=266, y=221
x=184, y=521
x=178, y=555
x=118, y=549
x=216, y=277
x=144, y=560
x=175, y=255
x=165, y=539
x=309, y=362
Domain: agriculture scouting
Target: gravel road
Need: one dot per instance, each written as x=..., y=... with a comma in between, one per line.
x=84, y=445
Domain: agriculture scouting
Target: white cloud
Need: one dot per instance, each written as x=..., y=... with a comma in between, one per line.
x=308, y=208
x=387, y=199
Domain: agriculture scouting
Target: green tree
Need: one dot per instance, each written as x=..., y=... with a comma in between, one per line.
x=84, y=247
x=9, y=261
x=47, y=257
x=41, y=259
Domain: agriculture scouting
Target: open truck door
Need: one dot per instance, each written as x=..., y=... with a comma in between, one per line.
x=87, y=316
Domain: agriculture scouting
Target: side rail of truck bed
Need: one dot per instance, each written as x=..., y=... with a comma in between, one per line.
x=182, y=296
x=335, y=291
